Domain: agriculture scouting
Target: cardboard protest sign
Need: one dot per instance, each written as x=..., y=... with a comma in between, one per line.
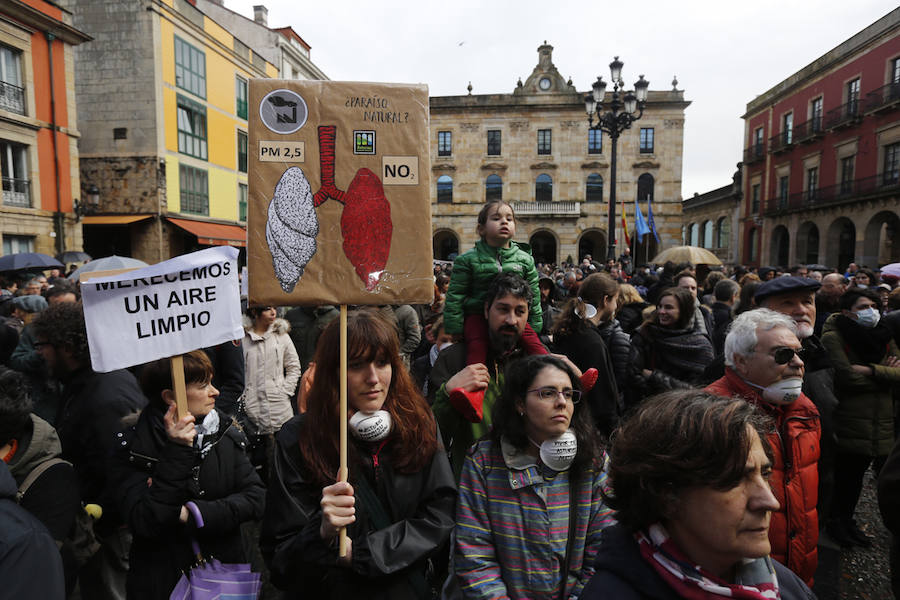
x=183, y=304
x=339, y=208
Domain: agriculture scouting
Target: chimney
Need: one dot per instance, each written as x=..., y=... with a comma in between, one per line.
x=261, y=15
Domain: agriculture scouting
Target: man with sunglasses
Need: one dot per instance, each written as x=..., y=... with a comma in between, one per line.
x=764, y=365
x=796, y=298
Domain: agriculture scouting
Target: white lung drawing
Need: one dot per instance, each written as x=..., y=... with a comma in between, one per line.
x=292, y=227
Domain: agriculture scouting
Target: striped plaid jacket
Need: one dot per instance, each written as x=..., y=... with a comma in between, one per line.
x=512, y=525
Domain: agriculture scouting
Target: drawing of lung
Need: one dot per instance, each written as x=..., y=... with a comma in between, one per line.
x=292, y=227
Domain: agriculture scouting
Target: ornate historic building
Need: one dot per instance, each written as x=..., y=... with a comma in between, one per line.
x=822, y=158
x=532, y=148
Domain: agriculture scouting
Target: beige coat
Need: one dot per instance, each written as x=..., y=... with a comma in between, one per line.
x=272, y=370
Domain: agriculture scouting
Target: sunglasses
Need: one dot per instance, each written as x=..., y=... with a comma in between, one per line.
x=550, y=394
x=783, y=356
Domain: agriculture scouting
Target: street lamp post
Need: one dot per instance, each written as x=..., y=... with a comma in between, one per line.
x=621, y=114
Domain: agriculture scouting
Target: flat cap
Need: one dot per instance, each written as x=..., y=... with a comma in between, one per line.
x=785, y=285
x=30, y=303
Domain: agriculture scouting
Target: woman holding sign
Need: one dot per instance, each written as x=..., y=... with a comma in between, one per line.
x=398, y=504
x=182, y=479
x=531, y=492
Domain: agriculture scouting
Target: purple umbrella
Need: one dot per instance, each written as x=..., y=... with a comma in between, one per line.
x=212, y=580
x=891, y=269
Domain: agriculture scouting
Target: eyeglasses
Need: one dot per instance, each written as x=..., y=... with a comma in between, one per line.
x=550, y=394
x=785, y=355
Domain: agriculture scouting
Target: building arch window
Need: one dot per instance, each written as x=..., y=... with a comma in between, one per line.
x=708, y=234
x=543, y=188
x=493, y=188
x=695, y=234
x=753, y=245
x=594, y=188
x=645, y=185
x=723, y=232
x=444, y=189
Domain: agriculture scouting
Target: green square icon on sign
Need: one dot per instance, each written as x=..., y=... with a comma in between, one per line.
x=363, y=142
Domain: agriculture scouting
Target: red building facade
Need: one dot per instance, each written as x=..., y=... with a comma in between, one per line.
x=822, y=159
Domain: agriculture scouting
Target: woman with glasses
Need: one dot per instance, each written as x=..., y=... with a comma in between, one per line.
x=530, y=507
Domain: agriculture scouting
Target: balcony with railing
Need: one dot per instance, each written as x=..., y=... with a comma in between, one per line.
x=754, y=153
x=16, y=192
x=543, y=208
x=782, y=142
x=12, y=98
x=866, y=188
x=845, y=115
x=808, y=131
x=884, y=98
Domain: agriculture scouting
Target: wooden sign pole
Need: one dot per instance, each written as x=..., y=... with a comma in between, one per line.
x=343, y=472
x=177, y=364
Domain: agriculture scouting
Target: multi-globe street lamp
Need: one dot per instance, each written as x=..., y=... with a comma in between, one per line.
x=619, y=117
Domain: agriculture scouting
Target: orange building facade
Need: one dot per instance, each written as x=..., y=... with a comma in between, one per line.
x=38, y=133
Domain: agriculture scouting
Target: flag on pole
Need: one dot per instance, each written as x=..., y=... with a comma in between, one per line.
x=640, y=226
x=625, y=225
x=650, y=218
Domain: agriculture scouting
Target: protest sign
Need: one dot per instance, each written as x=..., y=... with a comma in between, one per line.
x=339, y=201
x=182, y=304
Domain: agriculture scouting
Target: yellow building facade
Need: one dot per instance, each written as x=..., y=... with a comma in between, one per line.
x=171, y=170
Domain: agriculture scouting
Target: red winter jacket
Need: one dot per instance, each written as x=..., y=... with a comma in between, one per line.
x=794, y=529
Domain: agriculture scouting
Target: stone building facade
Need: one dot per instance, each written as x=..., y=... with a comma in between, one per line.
x=711, y=220
x=38, y=133
x=532, y=148
x=822, y=158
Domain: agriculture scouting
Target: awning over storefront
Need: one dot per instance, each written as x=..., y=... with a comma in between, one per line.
x=213, y=234
x=114, y=219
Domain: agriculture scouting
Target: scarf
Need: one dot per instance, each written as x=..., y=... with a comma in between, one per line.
x=682, y=353
x=205, y=429
x=870, y=344
x=755, y=578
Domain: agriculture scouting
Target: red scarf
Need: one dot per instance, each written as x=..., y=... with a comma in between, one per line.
x=755, y=578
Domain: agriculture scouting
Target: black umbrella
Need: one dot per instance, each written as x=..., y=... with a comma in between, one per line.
x=28, y=260
x=73, y=256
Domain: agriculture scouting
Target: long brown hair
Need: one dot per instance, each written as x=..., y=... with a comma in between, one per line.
x=413, y=437
x=595, y=288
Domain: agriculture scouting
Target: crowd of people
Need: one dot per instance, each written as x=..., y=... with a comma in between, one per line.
x=586, y=431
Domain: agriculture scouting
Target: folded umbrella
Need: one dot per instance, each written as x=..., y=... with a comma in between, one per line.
x=213, y=580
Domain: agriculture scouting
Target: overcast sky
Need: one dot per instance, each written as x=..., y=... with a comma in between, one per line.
x=724, y=53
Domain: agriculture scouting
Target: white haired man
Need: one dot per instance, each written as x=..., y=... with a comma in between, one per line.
x=763, y=365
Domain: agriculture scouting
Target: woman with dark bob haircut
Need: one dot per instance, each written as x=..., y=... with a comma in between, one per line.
x=530, y=493
x=689, y=476
x=671, y=349
x=398, y=503
x=183, y=479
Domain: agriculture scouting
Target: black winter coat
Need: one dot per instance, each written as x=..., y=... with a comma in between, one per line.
x=90, y=417
x=30, y=566
x=420, y=507
x=623, y=574
x=630, y=316
x=587, y=349
x=618, y=343
x=156, y=477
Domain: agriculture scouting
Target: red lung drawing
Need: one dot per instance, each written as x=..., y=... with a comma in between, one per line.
x=366, y=219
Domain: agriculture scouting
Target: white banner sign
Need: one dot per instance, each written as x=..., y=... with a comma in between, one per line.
x=182, y=304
